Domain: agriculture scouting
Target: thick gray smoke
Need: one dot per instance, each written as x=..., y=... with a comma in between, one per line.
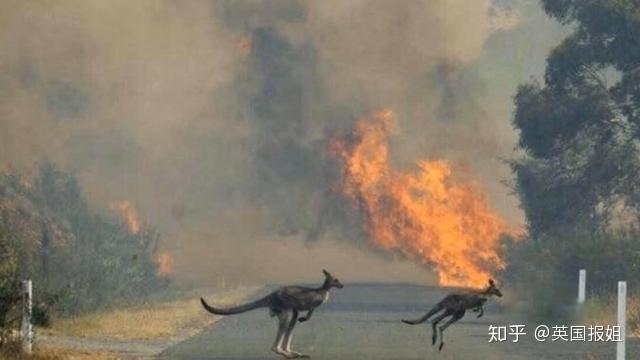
x=213, y=117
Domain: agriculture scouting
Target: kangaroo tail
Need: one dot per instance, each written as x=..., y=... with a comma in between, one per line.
x=263, y=302
x=425, y=317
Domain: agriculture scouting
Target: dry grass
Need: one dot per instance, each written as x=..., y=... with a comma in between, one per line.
x=66, y=354
x=152, y=321
x=12, y=351
x=602, y=311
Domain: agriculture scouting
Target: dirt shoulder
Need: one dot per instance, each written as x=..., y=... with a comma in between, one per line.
x=133, y=332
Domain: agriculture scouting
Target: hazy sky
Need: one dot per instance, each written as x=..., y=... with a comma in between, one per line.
x=213, y=117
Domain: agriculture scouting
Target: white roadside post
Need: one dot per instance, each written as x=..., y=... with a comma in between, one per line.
x=27, y=327
x=582, y=285
x=622, y=319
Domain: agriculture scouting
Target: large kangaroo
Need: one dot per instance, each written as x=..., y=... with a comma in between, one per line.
x=285, y=300
x=455, y=305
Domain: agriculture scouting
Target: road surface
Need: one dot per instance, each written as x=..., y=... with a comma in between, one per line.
x=362, y=321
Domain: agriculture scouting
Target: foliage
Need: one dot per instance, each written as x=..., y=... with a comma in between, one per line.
x=79, y=259
x=580, y=141
x=579, y=133
x=544, y=272
x=9, y=295
x=40, y=316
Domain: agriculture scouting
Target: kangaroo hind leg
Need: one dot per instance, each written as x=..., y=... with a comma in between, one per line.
x=283, y=317
x=288, y=337
x=435, y=322
x=456, y=316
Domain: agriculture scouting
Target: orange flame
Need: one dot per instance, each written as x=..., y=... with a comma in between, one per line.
x=129, y=214
x=165, y=263
x=426, y=216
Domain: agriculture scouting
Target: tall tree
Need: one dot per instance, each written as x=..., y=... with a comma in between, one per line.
x=580, y=132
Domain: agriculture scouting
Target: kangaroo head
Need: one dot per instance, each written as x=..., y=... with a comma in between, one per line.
x=331, y=281
x=492, y=289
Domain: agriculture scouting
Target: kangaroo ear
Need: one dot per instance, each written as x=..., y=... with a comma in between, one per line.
x=326, y=273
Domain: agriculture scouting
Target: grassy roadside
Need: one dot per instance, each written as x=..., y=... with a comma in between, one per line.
x=48, y=353
x=176, y=318
x=602, y=311
x=157, y=321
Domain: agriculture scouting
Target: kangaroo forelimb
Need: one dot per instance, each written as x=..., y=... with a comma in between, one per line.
x=307, y=316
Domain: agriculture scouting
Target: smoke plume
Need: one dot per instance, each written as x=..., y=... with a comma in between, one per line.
x=212, y=119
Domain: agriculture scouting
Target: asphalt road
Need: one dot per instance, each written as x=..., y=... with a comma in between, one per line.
x=362, y=321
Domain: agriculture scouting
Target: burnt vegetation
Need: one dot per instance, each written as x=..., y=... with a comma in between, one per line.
x=578, y=174
x=78, y=258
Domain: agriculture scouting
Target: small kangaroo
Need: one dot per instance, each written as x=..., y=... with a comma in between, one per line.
x=285, y=300
x=455, y=305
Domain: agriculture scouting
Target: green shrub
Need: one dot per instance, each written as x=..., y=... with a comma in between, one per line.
x=544, y=272
x=9, y=295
